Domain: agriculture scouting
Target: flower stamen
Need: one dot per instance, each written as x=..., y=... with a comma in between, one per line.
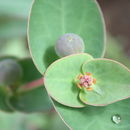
x=85, y=81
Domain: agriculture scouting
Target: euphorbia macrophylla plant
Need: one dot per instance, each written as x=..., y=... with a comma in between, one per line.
x=80, y=81
x=67, y=44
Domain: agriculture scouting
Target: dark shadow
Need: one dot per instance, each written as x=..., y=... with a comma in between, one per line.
x=49, y=56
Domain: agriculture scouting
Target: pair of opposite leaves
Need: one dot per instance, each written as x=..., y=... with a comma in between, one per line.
x=112, y=81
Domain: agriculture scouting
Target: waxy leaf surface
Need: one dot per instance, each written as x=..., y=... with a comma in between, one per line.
x=59, y=79
x=50, y=19
x=112, y=78
x=96, y=118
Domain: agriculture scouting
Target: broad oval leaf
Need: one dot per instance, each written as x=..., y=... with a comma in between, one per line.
x=50, y=19
x=59, y=79
x=113, y=80
x=96, y=118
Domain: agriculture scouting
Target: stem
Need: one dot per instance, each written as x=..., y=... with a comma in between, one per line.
x=33, y=84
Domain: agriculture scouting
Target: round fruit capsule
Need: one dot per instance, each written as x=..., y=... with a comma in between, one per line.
x=10, y=72
x=69, y=44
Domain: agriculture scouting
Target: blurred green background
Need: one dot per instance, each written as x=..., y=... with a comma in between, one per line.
x=13, y=41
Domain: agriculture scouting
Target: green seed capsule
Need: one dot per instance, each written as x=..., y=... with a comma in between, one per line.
x=10, y=72
x=69, y=44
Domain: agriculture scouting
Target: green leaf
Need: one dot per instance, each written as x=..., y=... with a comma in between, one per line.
x=4, y=97
x=56, y=123
x=33, y=100
x=51, y=19
x=29, y=70
x=96, y=118
x=113, y=80
x=59, y=79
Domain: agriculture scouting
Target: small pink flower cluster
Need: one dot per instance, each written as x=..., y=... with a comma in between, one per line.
x=86, y=81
